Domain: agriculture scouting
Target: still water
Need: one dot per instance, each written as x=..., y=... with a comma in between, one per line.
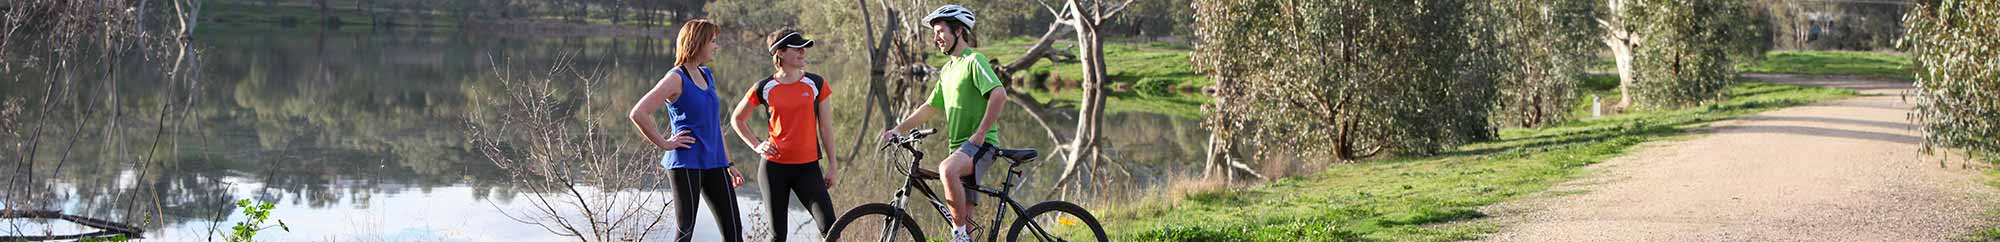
x=361, y=136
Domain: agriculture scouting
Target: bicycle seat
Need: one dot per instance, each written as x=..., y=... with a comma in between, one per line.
x=1017, y=155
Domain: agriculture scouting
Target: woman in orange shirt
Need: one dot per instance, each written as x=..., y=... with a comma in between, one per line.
x=797, y=143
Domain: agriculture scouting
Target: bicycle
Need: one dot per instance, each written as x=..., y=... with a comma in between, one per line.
x=893, y=217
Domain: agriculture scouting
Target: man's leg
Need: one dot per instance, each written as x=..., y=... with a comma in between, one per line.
x=958, y=164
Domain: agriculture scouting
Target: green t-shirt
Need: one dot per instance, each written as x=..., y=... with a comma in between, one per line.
x=961, y=92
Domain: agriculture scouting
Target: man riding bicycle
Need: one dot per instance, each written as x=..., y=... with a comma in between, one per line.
x=971, y=97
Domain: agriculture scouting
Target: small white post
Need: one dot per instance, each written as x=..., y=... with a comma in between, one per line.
x=1596, y=106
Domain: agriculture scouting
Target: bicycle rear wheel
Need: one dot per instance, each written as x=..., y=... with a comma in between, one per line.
x=875, y=222
x=1057, y=221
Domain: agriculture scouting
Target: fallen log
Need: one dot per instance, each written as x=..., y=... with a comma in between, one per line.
x=105, y=227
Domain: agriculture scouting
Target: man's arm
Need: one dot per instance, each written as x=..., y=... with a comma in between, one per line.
x=996, y=100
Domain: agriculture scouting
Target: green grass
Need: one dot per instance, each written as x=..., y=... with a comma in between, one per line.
x=1604, y=86
x=1989, y=234
x=1848, y=63
x=1150, y=77
x=1428, y=198
x=1992, y=233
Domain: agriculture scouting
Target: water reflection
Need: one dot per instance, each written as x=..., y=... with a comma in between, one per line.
x=361, y=136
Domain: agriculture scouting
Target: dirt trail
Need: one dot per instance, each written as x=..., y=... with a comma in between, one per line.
x=1843, y=170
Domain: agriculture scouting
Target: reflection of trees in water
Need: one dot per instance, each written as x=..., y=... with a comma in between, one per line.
x=582, y=180
x=336, y=118
x=314, y=120
x=69, y=122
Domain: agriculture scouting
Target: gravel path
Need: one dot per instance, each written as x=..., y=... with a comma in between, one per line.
x=1843, y=170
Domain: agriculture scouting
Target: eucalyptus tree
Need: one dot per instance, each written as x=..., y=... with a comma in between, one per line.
x=1540, y=48
x=1957, y=91
x=1345, y=80
x=1673, y=53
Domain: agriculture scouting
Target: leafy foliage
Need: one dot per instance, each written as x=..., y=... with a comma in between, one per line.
x=1958, y=76
x=1689, y=49
x=1343, y=78
x=1538, y=69
x=255, y=215
x=753, y=18
x=1862, y=25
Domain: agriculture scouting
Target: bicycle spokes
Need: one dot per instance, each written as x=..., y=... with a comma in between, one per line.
x=1057, y=221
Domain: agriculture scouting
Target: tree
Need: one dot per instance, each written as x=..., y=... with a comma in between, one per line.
x=1085, y=17
x=61, y=51
x=1846, y=25
x=1381, y=77
x=754, y=18
x=1539, y=49
x=1676, y=52
x=1620, y=35
x=1957, y=92
x=685, y=10
x=1156, y=18
x=578, y=180
x=325, y=8
x=1687, y=58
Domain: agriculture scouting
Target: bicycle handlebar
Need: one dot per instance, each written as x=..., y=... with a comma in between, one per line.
x=912, y=137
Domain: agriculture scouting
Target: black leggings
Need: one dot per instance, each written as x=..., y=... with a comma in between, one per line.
x=689, y=186
x=781, y=181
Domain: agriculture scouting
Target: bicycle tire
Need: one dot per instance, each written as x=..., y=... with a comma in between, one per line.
x=876, y=209
x=1082, y=216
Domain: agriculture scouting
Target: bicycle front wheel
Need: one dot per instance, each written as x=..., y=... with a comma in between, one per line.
x=1056, y=221
x=875, y=222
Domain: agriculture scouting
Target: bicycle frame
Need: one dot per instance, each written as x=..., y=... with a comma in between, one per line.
x=1007, y=202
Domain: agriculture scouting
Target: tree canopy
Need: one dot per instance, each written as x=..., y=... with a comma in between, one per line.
x=1958, y=77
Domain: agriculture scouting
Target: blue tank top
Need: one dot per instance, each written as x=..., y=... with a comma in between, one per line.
x=698, y=110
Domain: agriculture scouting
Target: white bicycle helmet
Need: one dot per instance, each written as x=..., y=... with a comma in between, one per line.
x=951, y=11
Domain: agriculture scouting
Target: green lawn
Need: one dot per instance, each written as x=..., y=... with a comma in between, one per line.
x=1852, y=63
x=1427, y=198
x=1993, y=233
x=1811, y=62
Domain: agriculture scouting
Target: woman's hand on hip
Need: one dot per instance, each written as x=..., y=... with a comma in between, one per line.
x=767, y=149
x=681, y=140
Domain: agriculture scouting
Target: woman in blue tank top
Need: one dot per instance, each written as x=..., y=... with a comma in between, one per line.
x=696, y=159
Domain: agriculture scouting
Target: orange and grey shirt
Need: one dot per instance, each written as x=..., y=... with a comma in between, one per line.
x=794, y=123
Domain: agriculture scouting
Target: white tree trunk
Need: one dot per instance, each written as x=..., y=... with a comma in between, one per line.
x=1217, y=154
x=1623, y=53
x=1091, y=110
x=1622, y=41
